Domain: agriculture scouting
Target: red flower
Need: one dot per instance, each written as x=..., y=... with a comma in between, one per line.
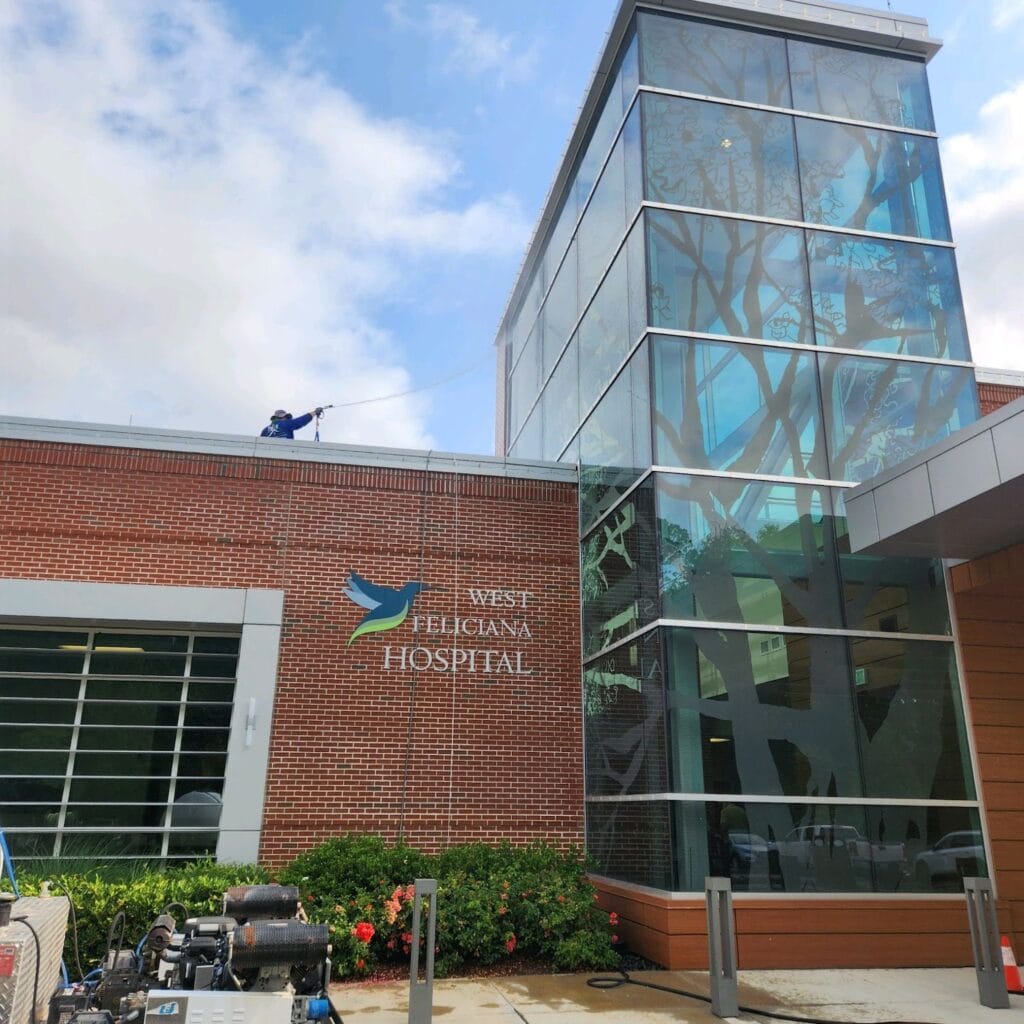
x=613, y=919
x=615, y=939
x=561, y=899
x=360, y=964
x=510, y=945
x=502, y=910
x=364, y=931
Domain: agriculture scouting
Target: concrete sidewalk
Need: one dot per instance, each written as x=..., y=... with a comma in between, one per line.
x=917, y=996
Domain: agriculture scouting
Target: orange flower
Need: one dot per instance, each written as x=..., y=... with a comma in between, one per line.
x=510, y=945
x=613, y=919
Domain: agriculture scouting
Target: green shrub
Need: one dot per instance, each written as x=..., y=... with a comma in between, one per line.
x=493, y=902
x=100, y=893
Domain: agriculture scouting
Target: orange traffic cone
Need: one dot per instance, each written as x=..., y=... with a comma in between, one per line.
x=1010, y=968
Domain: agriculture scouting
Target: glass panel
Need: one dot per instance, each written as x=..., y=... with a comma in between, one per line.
x=20, y=737
x=715, y=275
x=133, y=690
x=27, y=816
x=873, y=180
x=558, y=241
x=735, y=551
x=713, y=60
x=529, y=444
x=202, y=765
x=131, y=713
x=827, y=847
x=615, y=442
x=878, y=413
x=29, y=790
x=889, y=594
x=200, y=740
x=603, y=224
x=600, y=142
x=210, y=691
x=27, y=762
x=113, y=762
x=525, y=382
x=25, y=845
x=121, y=739
x=214, y=667
x=632, y=842
x=14, y=660
x=620, y=588
x=118, y=643
x=911, y=720
x=132, y=791
x=218, y=715
x=743, y=408
x=562, y=402
x=604, y=334
x=858, y=85
x=896, y=297
x=942, y=845
x=115, y=816
x=42, y=639
x=40, y=688
x=720, y=158
x=769, y=714
x=624, y=720
x=192, y=844
x=560, y=311
x=215, y=645
x=519, y=327
x=103, y=845
x=129, y=663
x=30, y=711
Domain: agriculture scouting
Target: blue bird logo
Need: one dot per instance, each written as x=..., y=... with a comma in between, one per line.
x=387, y=607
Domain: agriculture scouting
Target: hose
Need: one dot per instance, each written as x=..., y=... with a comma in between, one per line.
x=74, y=928
x=609, y=982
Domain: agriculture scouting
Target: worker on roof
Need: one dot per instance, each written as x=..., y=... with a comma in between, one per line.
x=283, y=425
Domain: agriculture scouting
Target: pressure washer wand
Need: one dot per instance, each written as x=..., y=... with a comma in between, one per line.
x=321, y=409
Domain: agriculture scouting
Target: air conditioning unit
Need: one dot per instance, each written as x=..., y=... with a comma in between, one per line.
x=49, y=918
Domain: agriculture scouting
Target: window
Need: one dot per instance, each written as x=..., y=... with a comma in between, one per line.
x=114, y=744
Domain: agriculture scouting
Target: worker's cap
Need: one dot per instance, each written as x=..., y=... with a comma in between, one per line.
x=280, y=414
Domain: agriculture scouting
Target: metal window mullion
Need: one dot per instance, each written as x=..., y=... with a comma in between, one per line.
x=73, y=749
x=176, y=758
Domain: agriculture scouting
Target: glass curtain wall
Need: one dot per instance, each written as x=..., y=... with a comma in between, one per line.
x=748, y=303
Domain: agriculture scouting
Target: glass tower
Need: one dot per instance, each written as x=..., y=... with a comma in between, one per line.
x=745, y=302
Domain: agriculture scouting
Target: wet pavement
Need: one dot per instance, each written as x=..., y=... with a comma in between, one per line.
x=871, y=996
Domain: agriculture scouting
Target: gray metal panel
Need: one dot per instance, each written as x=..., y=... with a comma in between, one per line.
x=1008, y=441
x=963, y=472
x=903, y=502
x=862, y=520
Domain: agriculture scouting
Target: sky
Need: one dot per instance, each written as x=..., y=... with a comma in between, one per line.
x=209, y=210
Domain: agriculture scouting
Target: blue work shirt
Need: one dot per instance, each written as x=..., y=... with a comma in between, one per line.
x=285, y=429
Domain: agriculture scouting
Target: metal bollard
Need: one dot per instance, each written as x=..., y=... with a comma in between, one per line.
x=721, y=947
x=421, y=993
x=988, y=955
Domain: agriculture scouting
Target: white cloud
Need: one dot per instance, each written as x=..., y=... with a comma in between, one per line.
x=473, y=48
x=1006, y=12
x=194, y=232
x=984, y=175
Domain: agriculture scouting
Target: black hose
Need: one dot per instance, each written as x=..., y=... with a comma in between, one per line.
x=334, y=1015
x=611, y=982
x=180, y=906
x=74, y=929
x=35, y=980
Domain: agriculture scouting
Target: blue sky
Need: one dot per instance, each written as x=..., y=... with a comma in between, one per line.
x=214, y=209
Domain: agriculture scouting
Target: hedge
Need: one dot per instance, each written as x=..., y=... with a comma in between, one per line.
x=493, y=903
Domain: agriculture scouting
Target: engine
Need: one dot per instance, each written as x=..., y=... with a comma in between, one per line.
x=259, y=962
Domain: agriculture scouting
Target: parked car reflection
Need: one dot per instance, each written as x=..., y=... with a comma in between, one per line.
x=839, y=858
x=944, y=865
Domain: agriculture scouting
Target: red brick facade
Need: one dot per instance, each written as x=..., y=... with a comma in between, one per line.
x=440, y=757
x=995, y=396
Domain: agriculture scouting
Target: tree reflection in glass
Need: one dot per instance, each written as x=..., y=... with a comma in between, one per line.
x=720, y=157
x=713, y=60
x=887, y=296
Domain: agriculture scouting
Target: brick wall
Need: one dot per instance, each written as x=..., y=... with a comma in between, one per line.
x=441, y=757
x=995, y=396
